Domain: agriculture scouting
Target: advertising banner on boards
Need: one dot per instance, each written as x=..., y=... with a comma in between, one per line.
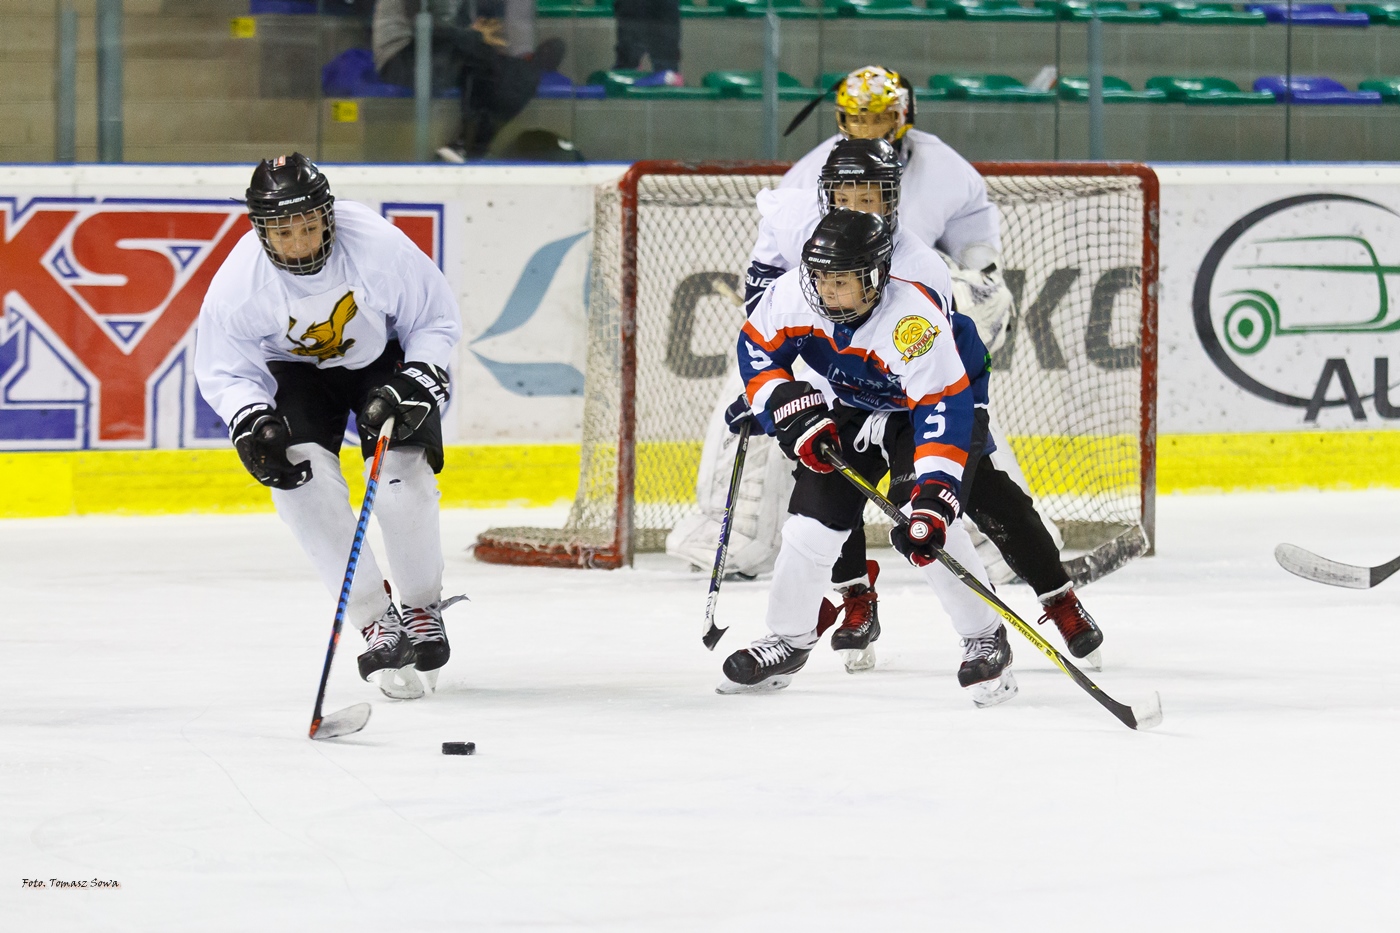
x=1280, y=301
x=103, y=269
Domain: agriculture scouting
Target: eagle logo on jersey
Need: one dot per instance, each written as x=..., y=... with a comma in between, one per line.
x=326, y=340
x=913, y=336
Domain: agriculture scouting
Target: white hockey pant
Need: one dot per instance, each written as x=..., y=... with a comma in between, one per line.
x=801, y=577
x=320, y=517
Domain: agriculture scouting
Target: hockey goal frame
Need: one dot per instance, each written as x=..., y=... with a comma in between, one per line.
x=619, y=552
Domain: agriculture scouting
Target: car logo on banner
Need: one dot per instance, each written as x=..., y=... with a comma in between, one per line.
x=1298, y=303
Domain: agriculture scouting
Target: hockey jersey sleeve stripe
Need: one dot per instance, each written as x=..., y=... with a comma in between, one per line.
x=766, y=378
x=949, y=452
x=771, y=344
x=933, y=467
x=937, y=397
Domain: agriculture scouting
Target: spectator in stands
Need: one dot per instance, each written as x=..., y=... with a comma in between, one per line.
x=468, y=54
x=652, y=28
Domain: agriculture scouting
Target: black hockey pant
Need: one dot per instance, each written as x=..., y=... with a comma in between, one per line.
x=1003, y=512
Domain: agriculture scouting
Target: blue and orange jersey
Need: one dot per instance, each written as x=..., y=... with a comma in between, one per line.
x=902, y=357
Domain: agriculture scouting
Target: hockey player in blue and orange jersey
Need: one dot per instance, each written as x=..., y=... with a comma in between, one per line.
x=897, y=399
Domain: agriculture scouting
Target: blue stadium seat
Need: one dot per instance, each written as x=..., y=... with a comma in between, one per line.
x=1313, y=89
x=1309, y=14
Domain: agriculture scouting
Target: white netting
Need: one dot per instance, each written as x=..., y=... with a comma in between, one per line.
x=1066, y=386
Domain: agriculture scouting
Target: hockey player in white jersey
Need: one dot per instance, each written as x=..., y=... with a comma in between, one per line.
x=897, y=400
x=325, y=310
x=864, y=174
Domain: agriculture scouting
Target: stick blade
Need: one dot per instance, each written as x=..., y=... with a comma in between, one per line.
x=347, y=721
x=713, y=633
x=1310, y=566
x=1148, y=715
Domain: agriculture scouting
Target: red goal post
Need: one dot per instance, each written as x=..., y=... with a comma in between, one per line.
x=670, y=244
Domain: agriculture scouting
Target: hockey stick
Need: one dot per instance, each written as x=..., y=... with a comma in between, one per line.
x=1310, y=566
x=353, y=718
x=712, y=633
x=806, y=111
x=1134, y=717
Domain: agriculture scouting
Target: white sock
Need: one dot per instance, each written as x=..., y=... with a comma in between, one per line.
x=407, y=511
x=801, y=577
x=321, y=520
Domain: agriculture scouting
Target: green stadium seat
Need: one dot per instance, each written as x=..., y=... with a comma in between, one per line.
x=620, y=82
x=573, y=8
x=733, y=83
x=784, y=93
x=1115, y=90
x=1388, y=87
x=1206, y=90
x=890, y=9
x=695, y=10
x=997, y=11
x=1387, y=13
x=1108, y=11
x=1207, y=14
x=987, y=87
x=792, y=9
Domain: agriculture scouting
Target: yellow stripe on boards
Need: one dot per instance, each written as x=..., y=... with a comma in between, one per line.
x=1283, y=461
x=154, y=482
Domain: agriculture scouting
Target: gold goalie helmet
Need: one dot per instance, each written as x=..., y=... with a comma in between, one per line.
x=874, y=103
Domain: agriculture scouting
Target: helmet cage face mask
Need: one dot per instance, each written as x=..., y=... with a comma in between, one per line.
x=889, y=195
x=278, y=231
x=871, y=280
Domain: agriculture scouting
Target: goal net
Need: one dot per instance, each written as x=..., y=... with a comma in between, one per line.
x=1073, y=387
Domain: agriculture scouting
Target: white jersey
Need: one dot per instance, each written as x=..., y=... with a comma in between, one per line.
x=376, y=286
x=943, y=200
x=791, y=214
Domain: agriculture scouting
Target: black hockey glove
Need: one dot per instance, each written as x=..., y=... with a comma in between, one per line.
x=801, y=418
x=410, y=395
x=261, y=436
x=737, y=413
x=935, y=508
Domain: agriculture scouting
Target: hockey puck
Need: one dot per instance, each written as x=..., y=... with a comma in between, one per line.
x=458, y=748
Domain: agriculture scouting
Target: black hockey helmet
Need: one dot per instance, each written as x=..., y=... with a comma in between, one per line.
x=859, y=162
x=289, y=195
x=851, y=242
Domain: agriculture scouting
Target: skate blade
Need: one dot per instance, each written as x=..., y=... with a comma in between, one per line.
x=994, y=692
x=776, y=682
x=1093, y=660
x=401, y=684
x=430, y=679
x=858, y=659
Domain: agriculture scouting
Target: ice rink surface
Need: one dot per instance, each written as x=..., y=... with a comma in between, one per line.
x=160, y=673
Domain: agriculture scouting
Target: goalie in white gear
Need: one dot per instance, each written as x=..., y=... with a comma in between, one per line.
x=325, y=310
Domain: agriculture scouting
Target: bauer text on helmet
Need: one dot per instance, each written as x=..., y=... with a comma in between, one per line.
x=874, y=103
x=291, y=207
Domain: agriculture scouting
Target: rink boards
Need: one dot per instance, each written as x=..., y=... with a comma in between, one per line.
x=1277, y=329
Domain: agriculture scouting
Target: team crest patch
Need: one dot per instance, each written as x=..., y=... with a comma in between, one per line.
x=913, y=336
x=326, y=340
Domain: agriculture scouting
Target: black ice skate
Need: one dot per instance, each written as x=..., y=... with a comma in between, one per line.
x=861, y=627
x=389, y=660
x=1081, y=634
x=986, y=669
x=425, y=632
x=767, y=664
